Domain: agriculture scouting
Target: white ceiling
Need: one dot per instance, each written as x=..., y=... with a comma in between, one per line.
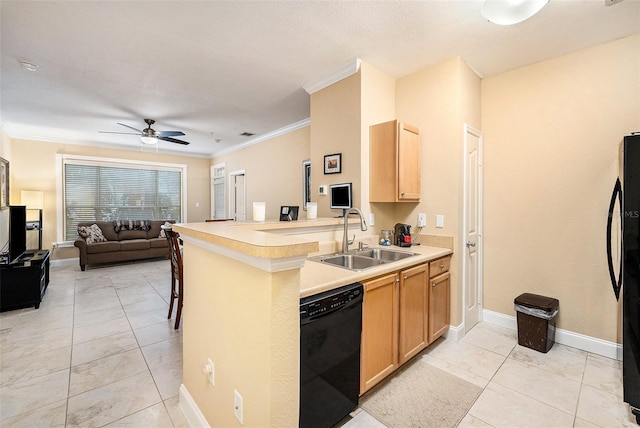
x=228, y=67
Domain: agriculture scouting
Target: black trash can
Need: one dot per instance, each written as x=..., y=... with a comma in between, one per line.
x=536, y=321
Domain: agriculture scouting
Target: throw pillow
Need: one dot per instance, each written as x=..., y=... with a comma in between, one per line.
x=119, y=225
x=91, y=234
x=83, y=231
x=166, y=225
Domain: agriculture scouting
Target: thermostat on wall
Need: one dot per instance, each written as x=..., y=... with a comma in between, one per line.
x=322, y=190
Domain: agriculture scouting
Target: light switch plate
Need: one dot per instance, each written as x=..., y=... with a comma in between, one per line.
x=322, y=190
x=439, y=220
x=372, y=219
x=237, y=405
x=212, y=375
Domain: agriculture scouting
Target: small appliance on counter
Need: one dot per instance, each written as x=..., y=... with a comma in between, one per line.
x=402, y=234
x=386, y=237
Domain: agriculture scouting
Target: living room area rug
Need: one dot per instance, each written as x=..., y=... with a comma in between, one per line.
x=421, y=395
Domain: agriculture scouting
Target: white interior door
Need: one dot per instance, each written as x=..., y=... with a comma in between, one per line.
x=237, y=196
x=472, y=263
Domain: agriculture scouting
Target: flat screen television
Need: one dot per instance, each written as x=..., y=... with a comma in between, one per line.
x=341, y=196
x=17, y=231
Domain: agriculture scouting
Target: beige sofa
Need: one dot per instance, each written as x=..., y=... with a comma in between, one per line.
x=120, y=241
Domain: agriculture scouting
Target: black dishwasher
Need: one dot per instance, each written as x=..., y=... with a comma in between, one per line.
x=330, y=327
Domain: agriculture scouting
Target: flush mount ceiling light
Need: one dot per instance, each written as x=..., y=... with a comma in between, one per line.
x=149, y=140
x=509, y=12
x=28, y=66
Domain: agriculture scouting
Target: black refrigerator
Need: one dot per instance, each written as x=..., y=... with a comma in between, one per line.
x=630, y=271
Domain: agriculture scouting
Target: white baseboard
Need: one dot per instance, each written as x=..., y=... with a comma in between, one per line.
x=564, y=337
x=496, y=318
x=192, y=412
x=454, y=333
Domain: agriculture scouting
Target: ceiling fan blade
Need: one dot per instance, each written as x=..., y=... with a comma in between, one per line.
x=169, y=133
x=123, y=133
x=130, y=127
x=173, y=140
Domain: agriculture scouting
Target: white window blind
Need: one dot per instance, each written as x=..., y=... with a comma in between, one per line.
x=218, y=192
x=94, y=192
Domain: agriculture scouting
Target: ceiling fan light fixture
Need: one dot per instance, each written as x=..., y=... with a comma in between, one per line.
x=28, y=66
x=149, y=140
x=509, y=12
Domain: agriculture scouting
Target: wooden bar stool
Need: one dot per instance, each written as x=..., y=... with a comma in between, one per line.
x=175, y=255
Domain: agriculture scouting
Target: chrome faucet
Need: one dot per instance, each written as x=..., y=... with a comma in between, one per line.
x=345, y=238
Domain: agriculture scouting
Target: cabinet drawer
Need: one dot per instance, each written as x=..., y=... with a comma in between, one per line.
x=440, y=266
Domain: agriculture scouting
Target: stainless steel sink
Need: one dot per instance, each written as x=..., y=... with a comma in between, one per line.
x=384, y=254
x=364, y=259
x=353, y=262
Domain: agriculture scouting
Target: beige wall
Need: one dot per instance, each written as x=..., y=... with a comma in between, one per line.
x=551, y=134
x=378, y=105
x=33, y=167
x=335, y=128
x=273, y=171
x=439, y=100
x=254, y=345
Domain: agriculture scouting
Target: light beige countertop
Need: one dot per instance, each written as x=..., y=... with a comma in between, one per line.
x=316, y=277
x=251, y=238
x=263, y=240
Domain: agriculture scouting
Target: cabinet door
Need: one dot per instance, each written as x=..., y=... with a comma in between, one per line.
x=408, y=163
x=413, y=311
x=383, y=165
x=438, y=306
x=379, y=348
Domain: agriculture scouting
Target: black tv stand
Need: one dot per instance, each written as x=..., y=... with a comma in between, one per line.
x=24, y=281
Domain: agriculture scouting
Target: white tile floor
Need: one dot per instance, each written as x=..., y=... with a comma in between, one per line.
x=565, y=387
x=100, y=352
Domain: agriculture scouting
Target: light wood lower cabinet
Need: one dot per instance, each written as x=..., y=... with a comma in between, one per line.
x=413, y=311
x=402, y=313
x=439, y=306
x=379, y=347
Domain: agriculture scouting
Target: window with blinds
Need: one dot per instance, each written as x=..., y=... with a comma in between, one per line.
x=96, y=192
x=219, y=211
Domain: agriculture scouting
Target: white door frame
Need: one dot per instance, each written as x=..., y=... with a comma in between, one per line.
x=232, y=183
x=468, y=130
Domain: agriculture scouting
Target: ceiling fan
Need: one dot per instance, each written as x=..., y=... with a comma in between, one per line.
x=150, y=135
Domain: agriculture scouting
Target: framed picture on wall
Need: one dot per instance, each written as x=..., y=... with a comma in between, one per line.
x=306, y=183
x=4, y=181
x=333, y=163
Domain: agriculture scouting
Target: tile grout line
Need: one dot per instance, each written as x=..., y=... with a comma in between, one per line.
x=490, y=380
x=73, y=325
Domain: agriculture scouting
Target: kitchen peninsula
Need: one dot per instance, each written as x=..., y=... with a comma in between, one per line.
x=243, y=284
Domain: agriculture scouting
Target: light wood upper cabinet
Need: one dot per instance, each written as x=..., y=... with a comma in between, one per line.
x=439, y=298
x=379, y=346
x=413, y=311
x=394, y=166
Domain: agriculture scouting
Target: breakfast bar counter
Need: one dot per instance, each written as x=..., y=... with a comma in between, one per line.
x=242, y=288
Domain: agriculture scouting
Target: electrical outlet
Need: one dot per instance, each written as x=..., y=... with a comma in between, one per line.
x=439, y=220
x=209, y=371
x=422, y=219
x=237, y=405
x=372, y=219
x=212, y=374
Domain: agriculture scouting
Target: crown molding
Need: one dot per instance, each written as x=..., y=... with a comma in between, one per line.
x=269, y=135
x=333, y=77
